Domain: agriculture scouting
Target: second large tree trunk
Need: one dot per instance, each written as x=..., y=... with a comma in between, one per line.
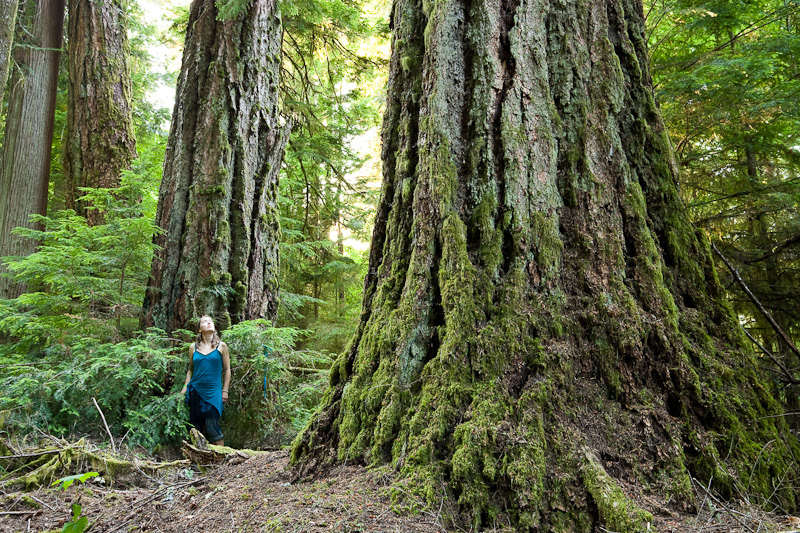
x=217, y=203
x=25, y=160
x=542, y=329
x=100, y=140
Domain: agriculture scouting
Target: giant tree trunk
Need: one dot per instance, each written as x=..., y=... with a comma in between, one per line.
x=541, y=325
x=8, y=14
x=217, y=203
x=25, y=161
x=100, y=140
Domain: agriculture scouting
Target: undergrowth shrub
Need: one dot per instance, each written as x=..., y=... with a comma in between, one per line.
x=136, y=384
x=129, y=380
x=84, y=280
x=259, y=416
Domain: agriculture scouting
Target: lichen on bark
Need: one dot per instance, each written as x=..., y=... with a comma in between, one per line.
x=541, y=324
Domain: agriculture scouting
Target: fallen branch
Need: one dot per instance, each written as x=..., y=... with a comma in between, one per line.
x=200, y=452
x=766, y=314
x=113, y=447
x=729, y=511
x=26, y=455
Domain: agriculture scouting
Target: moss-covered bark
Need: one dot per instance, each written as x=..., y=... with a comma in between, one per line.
x=541, y=326
x=100, y=141
x=218, y=199
x=8, y=16
x=28, y=137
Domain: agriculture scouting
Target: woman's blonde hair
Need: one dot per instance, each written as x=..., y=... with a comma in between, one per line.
x=215, y=340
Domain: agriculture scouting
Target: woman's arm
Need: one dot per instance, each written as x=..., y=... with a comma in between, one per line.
x=226, y=370
x=191, y=368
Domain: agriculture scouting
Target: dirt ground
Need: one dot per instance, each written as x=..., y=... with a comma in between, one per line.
x=257, y=495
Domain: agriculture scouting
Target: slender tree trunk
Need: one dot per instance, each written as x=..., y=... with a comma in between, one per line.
x=8, y=16
x=218, y=199
x=100, y=139
x=541, y=325
x=25, y=162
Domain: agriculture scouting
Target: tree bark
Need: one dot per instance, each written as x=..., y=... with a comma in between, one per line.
x=8, y=16
x=541, y=326
x=100, y=138
x=218, y=199
x=25, y=162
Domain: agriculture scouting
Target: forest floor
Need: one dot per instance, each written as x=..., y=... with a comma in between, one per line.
x=258, y=495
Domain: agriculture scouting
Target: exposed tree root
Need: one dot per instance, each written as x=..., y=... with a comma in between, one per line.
x=203, y=453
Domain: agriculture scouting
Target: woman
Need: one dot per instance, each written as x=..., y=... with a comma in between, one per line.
x=207, y=381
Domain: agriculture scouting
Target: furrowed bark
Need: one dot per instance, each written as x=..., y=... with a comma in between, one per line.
x=100, y=138
x=217, y=203
x=25, y=160
x=541, y=327
x=8, y=17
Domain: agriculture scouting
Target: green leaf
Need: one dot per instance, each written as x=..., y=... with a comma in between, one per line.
x=69, y=480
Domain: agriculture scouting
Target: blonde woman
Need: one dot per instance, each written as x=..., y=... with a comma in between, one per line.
x=207, y=381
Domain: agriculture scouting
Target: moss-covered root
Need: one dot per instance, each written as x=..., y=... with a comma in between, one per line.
x=40, y=467
x=616, y=511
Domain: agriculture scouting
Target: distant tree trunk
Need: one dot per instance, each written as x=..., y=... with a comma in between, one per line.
x=218, y=199
x=8, y=15
x=541, y=326
x=25, y=161
x=100, y=139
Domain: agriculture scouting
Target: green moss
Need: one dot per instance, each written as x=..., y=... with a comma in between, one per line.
x=616, y=510
x=547, y=244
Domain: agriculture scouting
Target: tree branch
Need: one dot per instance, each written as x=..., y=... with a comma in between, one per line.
x=763, y=311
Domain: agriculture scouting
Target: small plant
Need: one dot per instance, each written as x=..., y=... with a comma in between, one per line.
x=78, y=523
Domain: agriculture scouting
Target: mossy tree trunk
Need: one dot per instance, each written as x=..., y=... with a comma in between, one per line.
x=100, y=139
x=541, y=327
x=28, y=138
x=8, y=15
x=217, y=203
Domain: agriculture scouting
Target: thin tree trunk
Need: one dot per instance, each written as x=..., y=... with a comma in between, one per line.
x=541, y=325
x=8, y=16
x=25, y=163
x=100, y=138
x=218, y=199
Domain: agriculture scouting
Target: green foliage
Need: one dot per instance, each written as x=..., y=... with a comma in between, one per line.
x=229, y=9
x=255, y=417
x=332, y=89
x=84, y=280
x=67, y=481
x=130, y=380
x=726, y=80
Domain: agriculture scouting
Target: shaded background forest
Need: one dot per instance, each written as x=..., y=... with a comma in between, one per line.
x=726, y=77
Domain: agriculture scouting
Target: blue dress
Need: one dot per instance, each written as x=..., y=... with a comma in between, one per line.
x=207, y=377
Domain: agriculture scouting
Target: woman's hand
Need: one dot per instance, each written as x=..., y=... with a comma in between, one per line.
x=224, y=396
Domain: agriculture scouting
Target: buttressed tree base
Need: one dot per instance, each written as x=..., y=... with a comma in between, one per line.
x=542, y=327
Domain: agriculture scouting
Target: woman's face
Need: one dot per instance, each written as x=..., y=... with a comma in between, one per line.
x=206, y=324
